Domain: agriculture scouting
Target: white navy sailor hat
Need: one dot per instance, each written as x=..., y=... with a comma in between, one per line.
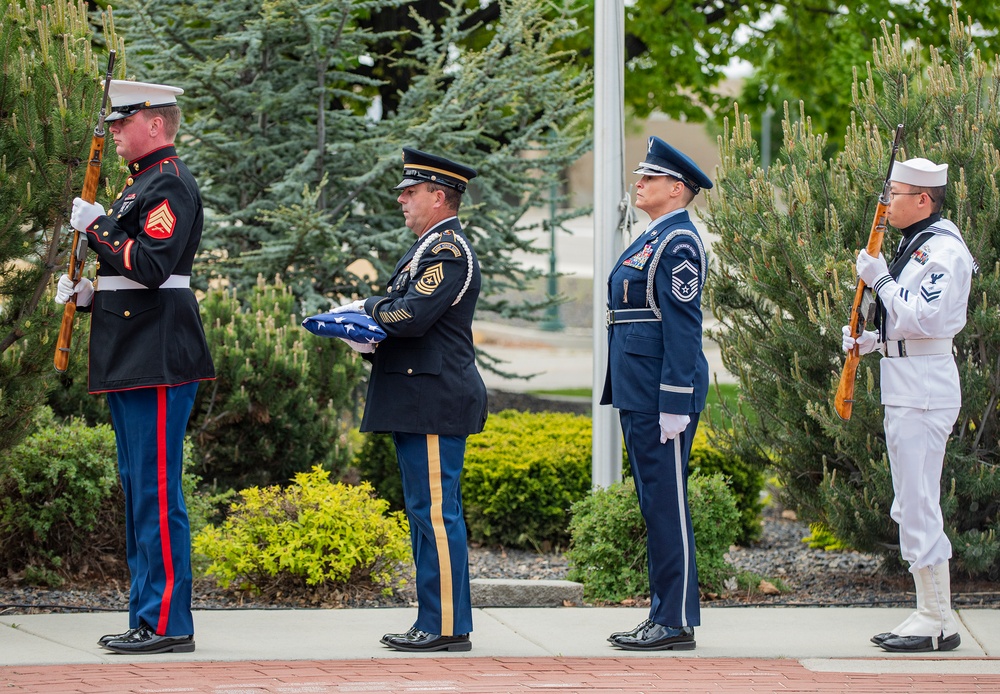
x=421, y=167
x=664, y=160
x=920, y=172
x=128, y=98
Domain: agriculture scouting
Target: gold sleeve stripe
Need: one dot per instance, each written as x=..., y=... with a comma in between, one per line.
x=394, y=316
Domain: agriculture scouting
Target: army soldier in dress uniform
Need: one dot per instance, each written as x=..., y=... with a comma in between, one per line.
x=922, y=300
x=426, y=390
x=147, y=353
x=658, y=379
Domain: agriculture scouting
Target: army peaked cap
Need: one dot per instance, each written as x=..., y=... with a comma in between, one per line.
x=421, y=167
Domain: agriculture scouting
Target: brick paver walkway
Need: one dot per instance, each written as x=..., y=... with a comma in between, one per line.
x=474, y=676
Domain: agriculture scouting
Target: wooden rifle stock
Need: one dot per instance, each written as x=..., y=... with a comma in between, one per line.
x=78, y=252
x=857, y=321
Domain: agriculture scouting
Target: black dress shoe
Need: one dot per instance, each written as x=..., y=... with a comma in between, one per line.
x=144, y=640
x=421, y=641
x=921, y=644
x=634, y=633
x=650, y=636
x=103, y=641
x=879, y=638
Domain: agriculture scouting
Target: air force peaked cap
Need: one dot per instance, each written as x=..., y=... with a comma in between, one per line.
x=128, y=98
x=664, y=160
x=421, y=167
x=919, y=172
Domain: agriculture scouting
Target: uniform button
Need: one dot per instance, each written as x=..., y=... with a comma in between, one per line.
x=128, y=181
x=119, y=196
x=104, y=234
x=409, y=371
x=128, y=313
x=117, y=242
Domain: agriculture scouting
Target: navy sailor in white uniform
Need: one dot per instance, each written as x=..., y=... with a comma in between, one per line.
x=923, y=296
x=658, y=379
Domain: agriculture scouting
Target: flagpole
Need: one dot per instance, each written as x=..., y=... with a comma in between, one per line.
x=609, y=192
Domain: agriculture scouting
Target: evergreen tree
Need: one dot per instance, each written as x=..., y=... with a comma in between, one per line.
x=298, y=166
x=50, y=95
x=788, y=239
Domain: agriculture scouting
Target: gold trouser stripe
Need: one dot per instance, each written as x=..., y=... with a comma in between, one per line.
x=440, y=535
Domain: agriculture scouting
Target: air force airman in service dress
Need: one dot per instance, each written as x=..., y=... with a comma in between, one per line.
x=657, y=373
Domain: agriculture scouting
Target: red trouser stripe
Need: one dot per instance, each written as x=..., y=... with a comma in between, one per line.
x=161, y=495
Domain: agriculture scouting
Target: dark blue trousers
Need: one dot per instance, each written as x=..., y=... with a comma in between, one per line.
x=431, y=468
x=149, y=430
x=660, y=472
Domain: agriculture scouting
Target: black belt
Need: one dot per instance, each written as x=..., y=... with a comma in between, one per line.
x=630, y=315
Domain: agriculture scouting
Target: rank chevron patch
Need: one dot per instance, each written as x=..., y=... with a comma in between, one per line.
x=684, y=281
x=431, y=279
x=160, y=222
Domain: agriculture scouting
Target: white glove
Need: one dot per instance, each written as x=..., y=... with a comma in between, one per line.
x=671, y=425
x=84, y=291
x=84, y=213
x=869, y=268
x=362, y=347
x=866, y=341
x=357, y=306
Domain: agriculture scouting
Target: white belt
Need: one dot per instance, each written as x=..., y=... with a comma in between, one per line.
x=916, y=348
x=116, y=283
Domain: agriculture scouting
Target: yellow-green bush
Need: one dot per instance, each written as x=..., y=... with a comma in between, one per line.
x=522, y=474
x=313, y=534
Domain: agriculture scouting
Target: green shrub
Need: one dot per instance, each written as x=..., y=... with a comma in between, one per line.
x=312, y=535
x=283, y=400
x=608, y=549
x=61, y=504
x=522, y=475
x=746, y=482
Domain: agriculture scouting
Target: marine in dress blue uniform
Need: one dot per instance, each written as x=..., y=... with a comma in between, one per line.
x=658, y=379
x=922, y=299
x=147, y=354
x=425, y=389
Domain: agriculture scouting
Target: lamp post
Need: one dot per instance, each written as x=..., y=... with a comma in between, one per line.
x=552, y=321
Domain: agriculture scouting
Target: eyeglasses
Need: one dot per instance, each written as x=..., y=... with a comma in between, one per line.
x=923, y=192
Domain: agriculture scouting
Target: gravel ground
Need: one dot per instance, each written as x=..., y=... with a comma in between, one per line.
x=810, y=577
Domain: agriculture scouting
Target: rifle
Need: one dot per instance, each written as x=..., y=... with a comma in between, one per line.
x=863, y=308
x=78, y=252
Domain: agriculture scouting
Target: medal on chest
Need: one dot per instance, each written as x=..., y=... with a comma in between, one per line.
x=638, y=261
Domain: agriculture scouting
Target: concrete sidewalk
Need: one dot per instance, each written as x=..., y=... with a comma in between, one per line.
x=828, y=639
